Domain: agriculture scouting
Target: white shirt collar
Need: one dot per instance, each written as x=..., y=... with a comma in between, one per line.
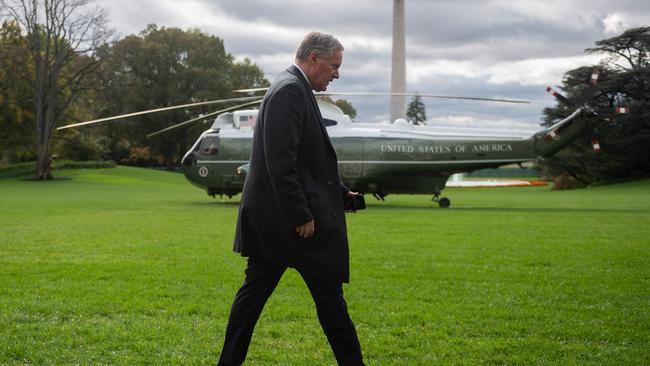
x=303, y=74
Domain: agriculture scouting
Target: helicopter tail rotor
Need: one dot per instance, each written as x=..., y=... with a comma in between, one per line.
x=593, y=80
x=560, y=97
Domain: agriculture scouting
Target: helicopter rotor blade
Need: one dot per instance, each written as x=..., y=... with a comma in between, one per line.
x=156, y=110
x=400, y=94
x=251, y=90
x=190, y=121
x=560, y=97
x=427, y=96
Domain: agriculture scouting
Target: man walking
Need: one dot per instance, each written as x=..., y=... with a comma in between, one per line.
x=291, y=212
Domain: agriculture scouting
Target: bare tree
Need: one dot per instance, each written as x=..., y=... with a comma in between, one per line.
x=63, y=37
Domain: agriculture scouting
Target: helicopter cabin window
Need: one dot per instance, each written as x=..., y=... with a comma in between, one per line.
x=247, y=120
x=210, y=145
x=329, y=122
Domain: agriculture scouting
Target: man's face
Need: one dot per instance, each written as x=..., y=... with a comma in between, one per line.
x=325, y=69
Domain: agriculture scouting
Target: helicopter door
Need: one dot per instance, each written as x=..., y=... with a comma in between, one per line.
x=246, y=146
x=351, y=156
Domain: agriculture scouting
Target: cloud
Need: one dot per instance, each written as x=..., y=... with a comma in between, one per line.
x=525, y=72
x=537, y=71
x=273, y=63
x=614, y=24
x=463, y=47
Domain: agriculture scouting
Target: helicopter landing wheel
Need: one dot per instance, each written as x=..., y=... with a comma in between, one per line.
x=444, y=202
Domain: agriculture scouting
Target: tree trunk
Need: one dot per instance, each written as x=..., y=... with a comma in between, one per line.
x=43, y=163
x=43, y=160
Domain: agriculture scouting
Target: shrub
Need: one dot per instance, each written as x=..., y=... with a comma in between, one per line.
x=27, y=169
x=82, y=146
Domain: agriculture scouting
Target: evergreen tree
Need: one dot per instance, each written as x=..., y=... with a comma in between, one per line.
x=623, y=80
x=416, y=112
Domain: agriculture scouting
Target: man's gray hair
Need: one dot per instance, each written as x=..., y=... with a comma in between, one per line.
x=323, y=45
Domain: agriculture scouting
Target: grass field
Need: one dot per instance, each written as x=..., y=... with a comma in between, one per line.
x=131, y=266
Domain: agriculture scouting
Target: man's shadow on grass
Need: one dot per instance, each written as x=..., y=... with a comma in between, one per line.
x=434, y=207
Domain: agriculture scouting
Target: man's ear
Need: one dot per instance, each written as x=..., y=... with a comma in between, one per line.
x=312, y=57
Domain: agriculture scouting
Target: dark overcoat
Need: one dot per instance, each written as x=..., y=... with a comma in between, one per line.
x=293, y=178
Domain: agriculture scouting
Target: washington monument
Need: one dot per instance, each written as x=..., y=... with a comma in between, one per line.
x=398, y=71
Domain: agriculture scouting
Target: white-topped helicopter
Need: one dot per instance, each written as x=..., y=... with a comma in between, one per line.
x=373, y=158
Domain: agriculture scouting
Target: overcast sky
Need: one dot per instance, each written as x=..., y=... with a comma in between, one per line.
x=491, y=48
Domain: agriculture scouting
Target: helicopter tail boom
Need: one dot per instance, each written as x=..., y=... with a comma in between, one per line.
x=552, y=139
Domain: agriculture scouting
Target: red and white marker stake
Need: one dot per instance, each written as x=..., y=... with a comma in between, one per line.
x=553, y=134
x=551, y=91
x=594, y=76
x=595, y=144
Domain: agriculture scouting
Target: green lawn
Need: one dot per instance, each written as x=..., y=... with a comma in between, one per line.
x=132, y=266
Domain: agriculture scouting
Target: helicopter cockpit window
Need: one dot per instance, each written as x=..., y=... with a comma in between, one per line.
x=329, y=122
x=210, y=145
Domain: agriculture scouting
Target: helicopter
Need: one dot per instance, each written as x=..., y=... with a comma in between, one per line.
x=375, y=158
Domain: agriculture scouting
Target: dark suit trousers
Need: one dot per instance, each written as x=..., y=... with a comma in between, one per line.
x=261, y=279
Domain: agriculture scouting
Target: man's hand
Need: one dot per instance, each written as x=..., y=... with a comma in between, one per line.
x=351, y=194
x=305, y=230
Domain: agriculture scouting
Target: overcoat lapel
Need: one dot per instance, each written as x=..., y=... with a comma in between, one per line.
x=294, y=70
